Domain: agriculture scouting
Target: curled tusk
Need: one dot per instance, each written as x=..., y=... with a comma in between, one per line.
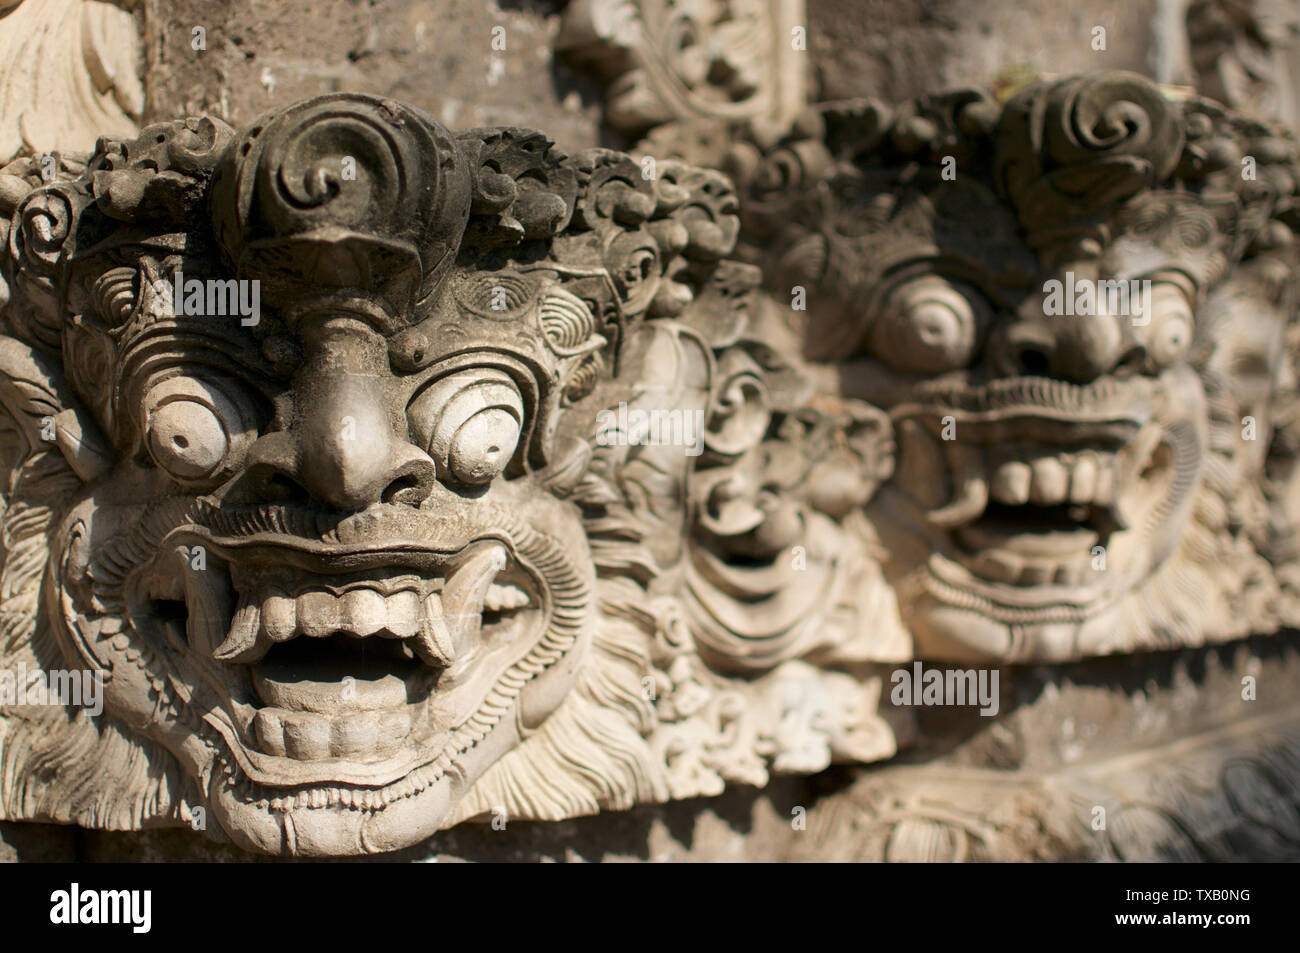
x=242, y=638
x=971, y=488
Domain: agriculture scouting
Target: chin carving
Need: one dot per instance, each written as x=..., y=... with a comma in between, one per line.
x=1072, y=308
x=362, y=460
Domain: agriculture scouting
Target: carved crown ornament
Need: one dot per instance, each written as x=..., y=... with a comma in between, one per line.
x=388, y=477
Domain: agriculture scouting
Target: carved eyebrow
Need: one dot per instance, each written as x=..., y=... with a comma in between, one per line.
x=1166, y=274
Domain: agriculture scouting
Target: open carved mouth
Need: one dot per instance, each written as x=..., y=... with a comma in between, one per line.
x=333, y=683
x=1025, y=504
x=341, y=666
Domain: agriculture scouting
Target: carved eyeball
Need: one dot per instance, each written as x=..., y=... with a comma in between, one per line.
x=636, y=267
x=470, y=421
x=193, y=430
x=929, y=326
x=1168, y=334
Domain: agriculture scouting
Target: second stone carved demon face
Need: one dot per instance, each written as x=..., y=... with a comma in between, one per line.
x=1041, y=295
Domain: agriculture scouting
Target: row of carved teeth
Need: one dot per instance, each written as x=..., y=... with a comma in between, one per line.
x=435, y=621
x=318, y=614
x=1017, y=569
x=1019, y=475
x=1084, y=478
x=311, y=736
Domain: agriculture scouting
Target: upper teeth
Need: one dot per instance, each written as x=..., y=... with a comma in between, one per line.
x=1014, y=475
x=1083, y=478
x=439, y=624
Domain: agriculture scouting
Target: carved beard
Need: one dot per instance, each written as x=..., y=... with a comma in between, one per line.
x=985, y=577
x=309, y=725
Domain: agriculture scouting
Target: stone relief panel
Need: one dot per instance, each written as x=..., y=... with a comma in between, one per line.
x=383, y=477
x=361, y=461
x=1227, y=796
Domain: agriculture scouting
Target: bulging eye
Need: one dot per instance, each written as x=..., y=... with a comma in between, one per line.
x=929, y=326
x=193, y=430
x=470, y=421
x=1168, y=331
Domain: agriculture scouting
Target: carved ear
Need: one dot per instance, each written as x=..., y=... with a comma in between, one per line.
x=35, y=392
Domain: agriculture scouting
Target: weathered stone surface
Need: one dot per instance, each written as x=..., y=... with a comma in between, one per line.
x=70, y=70
x=901, y=50
x=441, y=57
x=418, y=493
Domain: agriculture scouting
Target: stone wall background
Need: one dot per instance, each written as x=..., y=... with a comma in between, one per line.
x=437, y=54
x=901, y=50
x=433, y=55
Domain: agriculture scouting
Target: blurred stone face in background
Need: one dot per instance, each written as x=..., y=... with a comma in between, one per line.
x=1034, y=326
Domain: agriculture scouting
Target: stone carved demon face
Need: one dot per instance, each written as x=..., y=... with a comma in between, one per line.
x=359, y=594
x=1028, y=318
x=321, y=569
x=322, y=554
x=1047, y=467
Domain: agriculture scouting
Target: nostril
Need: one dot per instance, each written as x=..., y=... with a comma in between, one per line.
x=1132, y=361
x=1033, y=362
x=408, y=489
x=411, y=485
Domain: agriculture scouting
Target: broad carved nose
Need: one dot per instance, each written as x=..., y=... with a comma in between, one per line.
x=351, y=456
x=1040, y=341
x=346, y=446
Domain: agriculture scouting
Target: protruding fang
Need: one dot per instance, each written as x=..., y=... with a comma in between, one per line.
x=466, y=590
x=971, y=488
x=241, y=641
x=434, y=643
